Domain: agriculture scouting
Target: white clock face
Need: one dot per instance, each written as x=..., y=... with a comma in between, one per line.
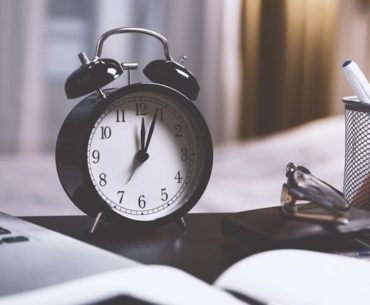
x=144, y=155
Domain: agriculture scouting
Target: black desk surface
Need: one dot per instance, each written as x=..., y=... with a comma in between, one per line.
x=201, y=250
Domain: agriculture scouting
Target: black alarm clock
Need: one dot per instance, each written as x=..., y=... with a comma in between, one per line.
x=138, y=155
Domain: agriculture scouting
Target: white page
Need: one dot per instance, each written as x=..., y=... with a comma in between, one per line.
x=157, y=284
x=298, y=277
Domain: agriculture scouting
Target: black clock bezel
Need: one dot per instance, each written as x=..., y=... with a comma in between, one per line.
x=72, y=145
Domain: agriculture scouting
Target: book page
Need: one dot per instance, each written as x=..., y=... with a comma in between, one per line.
x=154, y=284
x=295, y=277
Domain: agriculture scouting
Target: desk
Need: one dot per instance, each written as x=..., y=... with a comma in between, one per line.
x=201, y=251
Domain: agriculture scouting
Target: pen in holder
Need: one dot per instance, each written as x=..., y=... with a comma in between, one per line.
x=357, y=153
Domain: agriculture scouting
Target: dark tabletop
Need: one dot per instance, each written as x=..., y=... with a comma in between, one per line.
x=201, y=250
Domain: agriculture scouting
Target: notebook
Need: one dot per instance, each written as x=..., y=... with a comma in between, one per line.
x=279, y=277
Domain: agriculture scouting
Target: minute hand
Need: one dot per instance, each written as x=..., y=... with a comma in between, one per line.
x=151, y=129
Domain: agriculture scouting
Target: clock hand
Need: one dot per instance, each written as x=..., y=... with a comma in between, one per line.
x=142, y=134
x=151, y=129
x=142, y=154
x=137, y=162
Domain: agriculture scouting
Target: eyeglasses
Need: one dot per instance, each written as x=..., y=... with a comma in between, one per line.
x=306, y=196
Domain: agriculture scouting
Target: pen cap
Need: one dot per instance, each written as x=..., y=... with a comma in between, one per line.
x=356, y=186
x=357, y=80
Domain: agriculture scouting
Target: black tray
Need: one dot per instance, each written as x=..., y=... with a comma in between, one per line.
x=270, y=228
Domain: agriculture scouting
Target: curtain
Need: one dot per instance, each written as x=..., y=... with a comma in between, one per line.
x=21, y=61
x=288, y=58
x=262, y=65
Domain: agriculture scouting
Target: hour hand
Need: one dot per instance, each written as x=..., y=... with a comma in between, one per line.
x=142, y=134
x=142, y=155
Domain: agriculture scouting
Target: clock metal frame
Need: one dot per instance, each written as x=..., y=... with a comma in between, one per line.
x=71, y=158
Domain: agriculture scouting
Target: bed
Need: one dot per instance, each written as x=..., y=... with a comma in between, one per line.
x=246, y=175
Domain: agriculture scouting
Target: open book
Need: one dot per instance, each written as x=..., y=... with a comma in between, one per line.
x=285, y=277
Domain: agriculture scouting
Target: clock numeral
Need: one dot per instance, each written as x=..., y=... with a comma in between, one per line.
x=164, y=194
x=178, y=130
x=141, y=201
x=160, y=114
x=120, y=115
x=103, y=179
x=184, y=154
x=106, y=132
x=178, y=177
x=141, y=108
x=95, y=156
x=120, y=193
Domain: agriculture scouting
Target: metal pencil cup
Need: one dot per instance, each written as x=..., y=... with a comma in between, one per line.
x=357, y=153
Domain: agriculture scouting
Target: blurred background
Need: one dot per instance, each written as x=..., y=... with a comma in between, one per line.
x=264, y=69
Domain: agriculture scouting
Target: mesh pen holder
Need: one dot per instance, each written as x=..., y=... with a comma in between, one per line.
x=357, y=153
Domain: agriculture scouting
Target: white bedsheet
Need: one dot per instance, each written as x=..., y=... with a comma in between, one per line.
x=245, y=175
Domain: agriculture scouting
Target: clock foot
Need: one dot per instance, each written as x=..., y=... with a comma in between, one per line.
x=98, y=219
x=181, y=223
x=101, y=93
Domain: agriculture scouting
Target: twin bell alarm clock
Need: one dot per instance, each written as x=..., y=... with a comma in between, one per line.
x=137, y=155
